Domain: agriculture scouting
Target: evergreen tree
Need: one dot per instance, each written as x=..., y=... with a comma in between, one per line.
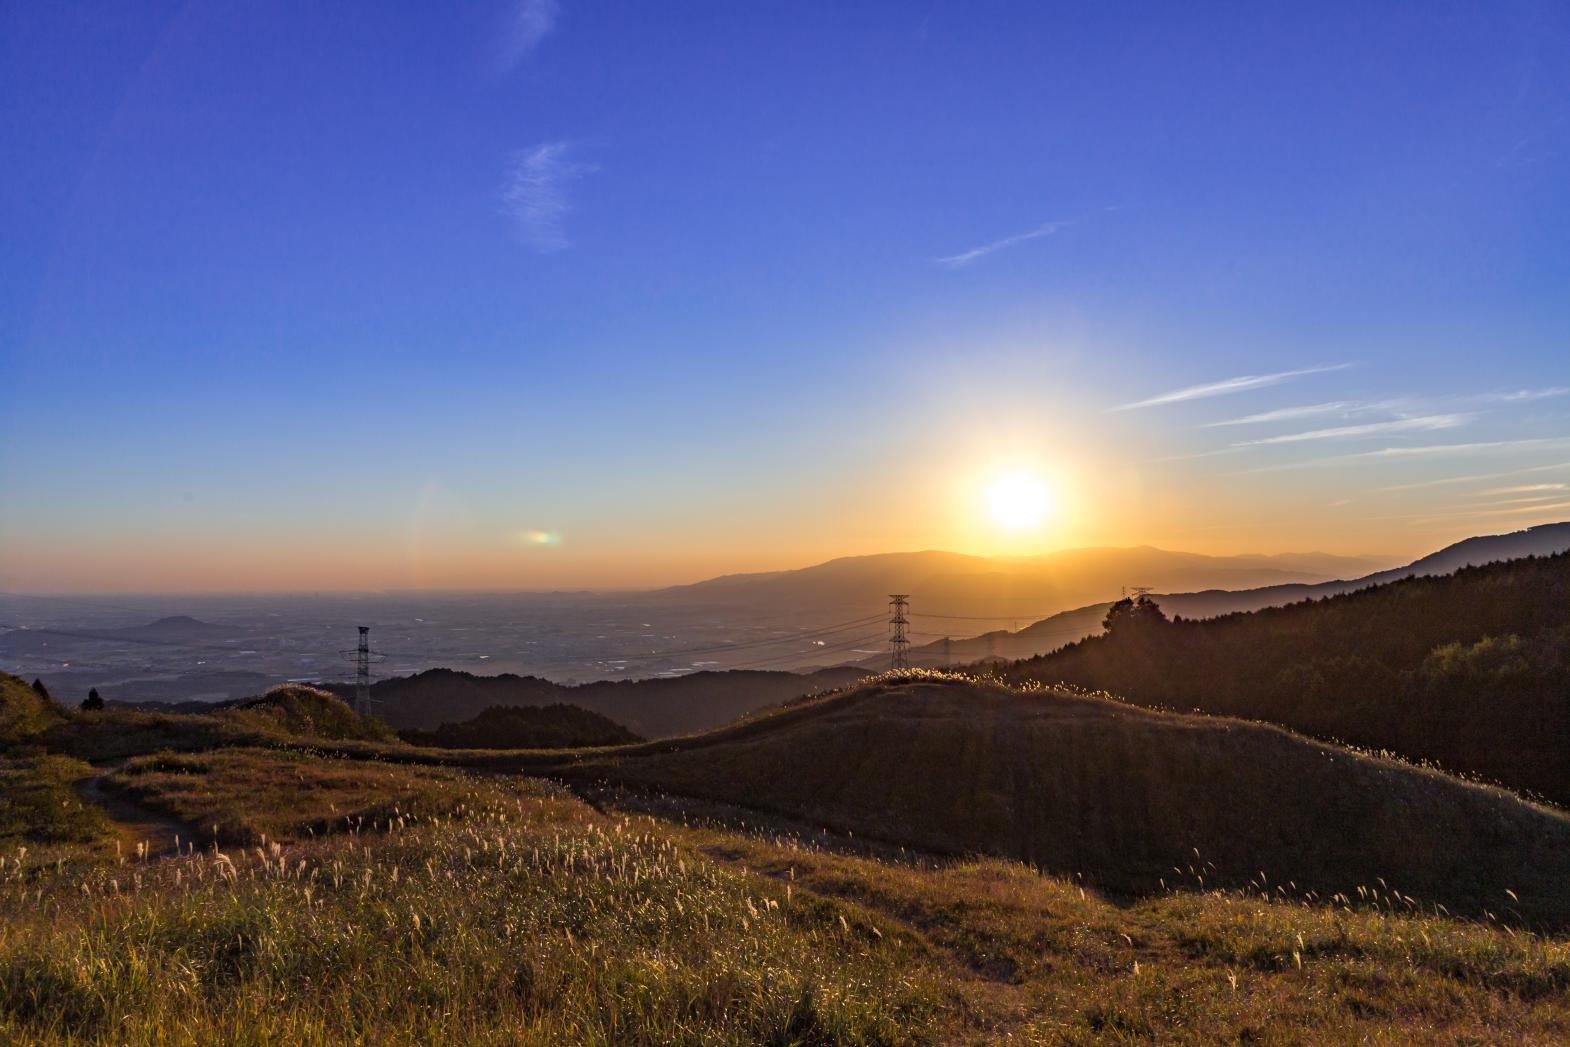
x=92, y=703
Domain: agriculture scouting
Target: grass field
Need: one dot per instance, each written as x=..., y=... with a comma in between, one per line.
x=357, y=900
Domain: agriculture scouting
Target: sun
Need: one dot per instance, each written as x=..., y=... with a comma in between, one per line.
x=1018, y=501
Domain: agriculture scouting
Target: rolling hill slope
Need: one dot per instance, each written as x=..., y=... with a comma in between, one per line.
x=1121, y=795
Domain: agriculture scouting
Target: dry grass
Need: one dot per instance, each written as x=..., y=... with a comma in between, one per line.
x=510, y=912
x=243, y=795
x=520, y=916
x=401, y=904
x=39, y=804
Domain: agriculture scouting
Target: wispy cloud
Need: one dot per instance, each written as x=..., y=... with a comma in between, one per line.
x=535, y=197
x=1350, y=408
x=1525, y=395
x=1556, y=508
x=1426, y=423
x=1240, y=384
x=1390, y=453
x=1526, y=500
x=1474, y=477
x=529, y=22
x=1287, y=414
x=964, y=258
x=1526, y=488
x=1483, y=445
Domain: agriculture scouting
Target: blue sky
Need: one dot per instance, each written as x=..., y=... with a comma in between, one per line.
x=358, y=294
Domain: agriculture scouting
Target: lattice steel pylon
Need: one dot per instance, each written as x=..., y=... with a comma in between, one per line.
x=362, y=673
x=898, y=642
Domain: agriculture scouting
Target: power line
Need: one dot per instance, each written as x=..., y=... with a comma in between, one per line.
x=770, y=642
x=798, y=655
x=1038, y=615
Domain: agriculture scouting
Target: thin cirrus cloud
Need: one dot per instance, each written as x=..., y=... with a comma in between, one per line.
x=1427, y=423
x=1287, y=414
x=975, y=254
x=535, y=196
x=1526, y=488
x=1475, y=477
x=1526, y=395
x=529, y=22
x=1241, y=384
x=1422, y=451
x=1349, y=408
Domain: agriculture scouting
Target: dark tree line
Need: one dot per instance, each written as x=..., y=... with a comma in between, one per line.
x=1470, y=670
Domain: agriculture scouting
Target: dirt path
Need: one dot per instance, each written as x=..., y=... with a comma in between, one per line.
x=134, y=824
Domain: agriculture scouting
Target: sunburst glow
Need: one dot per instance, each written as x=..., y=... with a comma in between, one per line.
x=1019, y=501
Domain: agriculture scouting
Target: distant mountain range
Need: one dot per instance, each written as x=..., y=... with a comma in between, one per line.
x=176, y=630
x=1027, y=586
x=1065, y=627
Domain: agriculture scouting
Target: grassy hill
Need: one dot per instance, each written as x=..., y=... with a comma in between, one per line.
x=1470, y=670
x=1127, y=797
x=262, y=890
x=24, y=712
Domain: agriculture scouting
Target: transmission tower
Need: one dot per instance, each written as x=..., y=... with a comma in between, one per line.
x=362, y=673
x=898, y=602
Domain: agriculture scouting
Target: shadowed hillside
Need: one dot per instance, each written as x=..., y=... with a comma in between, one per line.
x=1471, y=670
x=526, y=727
x=1122, y=795
x=652, y=708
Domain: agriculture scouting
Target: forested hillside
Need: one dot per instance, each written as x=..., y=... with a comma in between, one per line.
x=1470, y=670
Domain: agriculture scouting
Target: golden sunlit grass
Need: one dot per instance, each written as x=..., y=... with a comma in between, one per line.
x=418, y=904
x=217, y=793
x=514, y=913
x=517, y=916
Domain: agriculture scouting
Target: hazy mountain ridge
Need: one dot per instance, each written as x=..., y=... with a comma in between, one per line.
x=956, y=582
x=1065, y=627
